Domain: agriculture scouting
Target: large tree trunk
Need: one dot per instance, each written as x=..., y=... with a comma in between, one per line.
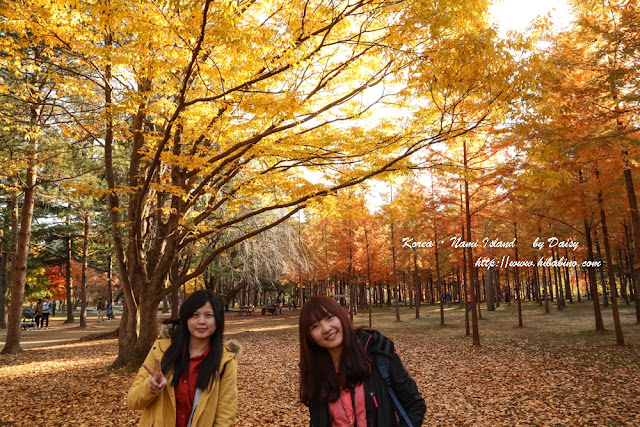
x=19, y=275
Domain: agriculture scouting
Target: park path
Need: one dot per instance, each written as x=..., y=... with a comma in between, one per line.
x=61, y=333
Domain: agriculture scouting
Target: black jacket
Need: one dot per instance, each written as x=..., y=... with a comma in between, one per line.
x=384, y=415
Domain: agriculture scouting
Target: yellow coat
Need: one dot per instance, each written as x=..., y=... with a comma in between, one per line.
x=217, y=406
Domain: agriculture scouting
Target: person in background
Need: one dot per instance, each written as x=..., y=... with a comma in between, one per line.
x=189, y=378
x=100, y=309
x=38, y=310
x=109, y=311
x=52, y=308
x=44, y=309
x=341, y=379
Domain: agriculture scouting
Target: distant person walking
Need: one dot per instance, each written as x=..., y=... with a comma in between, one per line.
x=52, y=308
x=38, y=311
x=109, y=311
x=447, y=298
x=44, y=320
x=100, y=309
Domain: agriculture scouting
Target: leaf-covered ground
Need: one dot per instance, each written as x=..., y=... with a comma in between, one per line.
x=553, y=372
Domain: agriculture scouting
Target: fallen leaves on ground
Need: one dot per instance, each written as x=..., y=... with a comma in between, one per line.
x=506, y=382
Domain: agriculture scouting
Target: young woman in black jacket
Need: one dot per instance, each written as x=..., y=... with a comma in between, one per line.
x=339, y=372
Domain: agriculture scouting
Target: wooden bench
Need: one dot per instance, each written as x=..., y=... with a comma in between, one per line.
x=248, y=309
x=273, y=309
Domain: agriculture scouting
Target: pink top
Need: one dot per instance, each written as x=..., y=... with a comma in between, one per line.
x=341, y=411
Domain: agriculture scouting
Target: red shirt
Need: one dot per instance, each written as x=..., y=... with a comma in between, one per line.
x=186, y=390
x=341, y=411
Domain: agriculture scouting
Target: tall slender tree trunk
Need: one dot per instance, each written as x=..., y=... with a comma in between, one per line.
x=474, y=311
x=4, y=277
x=85, y=265
x=350, y=282
x=592, y=274
x=635, y=224
x=575, y=269
x=559, y=297
x=550, y=284
x=631, y=273
x=517, y=277
x=300, y=288
x=603, y=282
x=10, y=232
x=19, y=274
x=489, y=285
x=418, y=285
x=544, y=290
x=623, y=277
x=367, y=252
x=127, y=337
x=438, y=277
x=496, y=286
x=607, y=252
x=396, y=289
x=567, y=282
x=476, y=280
x=465, y=291
x=110, y=279
x=67, y=273
x=593, y=287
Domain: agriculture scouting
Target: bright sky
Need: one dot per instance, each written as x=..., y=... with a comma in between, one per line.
x=518, y=14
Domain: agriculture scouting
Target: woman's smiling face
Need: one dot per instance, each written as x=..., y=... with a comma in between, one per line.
x=327, y=333
x=202, y=324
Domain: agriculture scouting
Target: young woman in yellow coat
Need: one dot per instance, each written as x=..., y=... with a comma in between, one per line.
x=189, y=379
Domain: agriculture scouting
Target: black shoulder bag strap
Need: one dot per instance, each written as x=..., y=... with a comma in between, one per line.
x=383, y=367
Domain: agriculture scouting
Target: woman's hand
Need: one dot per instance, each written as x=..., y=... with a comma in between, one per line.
x=157, y=380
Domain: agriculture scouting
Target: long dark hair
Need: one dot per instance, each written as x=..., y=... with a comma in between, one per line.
x=318, y=380
x=176, y=358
